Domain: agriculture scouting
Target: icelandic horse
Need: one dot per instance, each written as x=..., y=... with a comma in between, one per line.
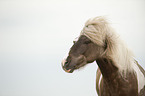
x=119, y=74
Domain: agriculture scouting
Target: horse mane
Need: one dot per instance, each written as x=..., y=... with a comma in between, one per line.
x=101, y=33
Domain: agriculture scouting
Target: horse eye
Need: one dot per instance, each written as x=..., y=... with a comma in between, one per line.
x=87, y=42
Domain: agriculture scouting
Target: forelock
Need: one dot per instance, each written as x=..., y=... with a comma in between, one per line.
x=95, y=29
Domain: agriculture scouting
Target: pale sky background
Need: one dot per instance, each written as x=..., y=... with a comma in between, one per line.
x=36, y=34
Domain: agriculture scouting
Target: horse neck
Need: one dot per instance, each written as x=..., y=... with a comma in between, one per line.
x=108, y=70
x=118, y=53
x=114, y=83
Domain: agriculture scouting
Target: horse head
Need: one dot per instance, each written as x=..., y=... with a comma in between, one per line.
x=82, y=52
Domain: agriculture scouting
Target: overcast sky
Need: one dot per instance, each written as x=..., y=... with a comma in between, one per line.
x=36, y=34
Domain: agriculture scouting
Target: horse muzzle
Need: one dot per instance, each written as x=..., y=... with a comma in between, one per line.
x=65, y=67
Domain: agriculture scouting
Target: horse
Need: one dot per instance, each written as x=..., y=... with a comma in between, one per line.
x=118, y=73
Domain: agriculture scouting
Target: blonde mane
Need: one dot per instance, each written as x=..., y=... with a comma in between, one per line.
x=98, y=31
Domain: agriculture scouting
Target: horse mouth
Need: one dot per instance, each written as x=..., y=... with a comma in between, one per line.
x=68, y=70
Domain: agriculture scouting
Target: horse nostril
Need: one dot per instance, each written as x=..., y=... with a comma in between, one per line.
x=66, y=63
